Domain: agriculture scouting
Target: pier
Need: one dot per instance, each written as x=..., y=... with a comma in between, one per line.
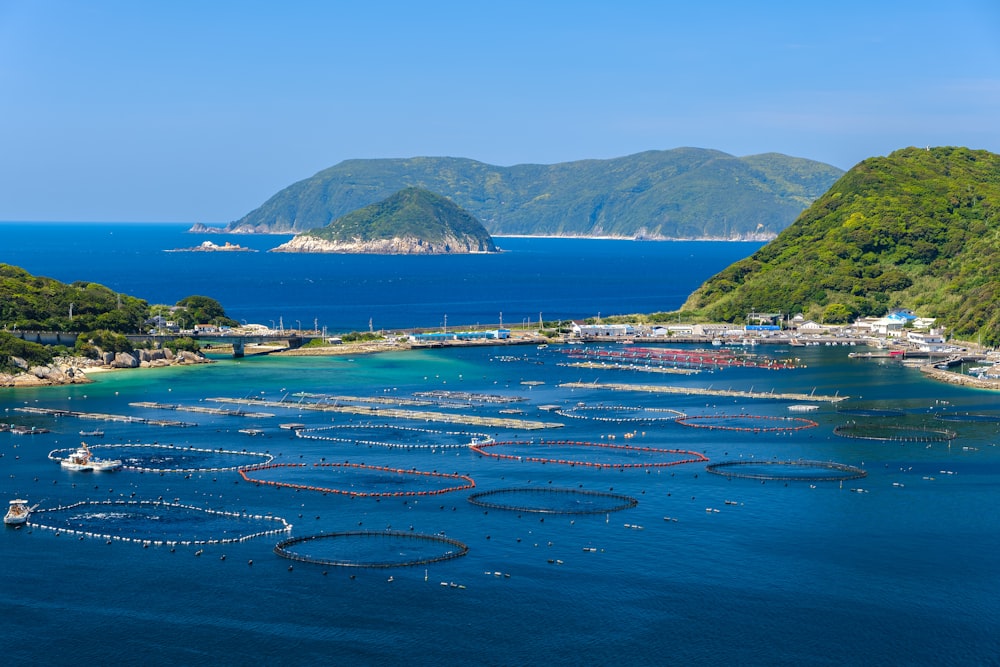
x=397, y=413
x=128, y=419
x=198, y=408
x=701, y=391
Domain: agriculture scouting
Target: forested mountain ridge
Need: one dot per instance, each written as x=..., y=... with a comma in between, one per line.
x=412, y=221
x=918, y=229
x=683, y=193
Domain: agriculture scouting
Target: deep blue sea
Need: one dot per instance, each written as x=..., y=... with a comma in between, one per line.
x=897, y=568
x=554, y=278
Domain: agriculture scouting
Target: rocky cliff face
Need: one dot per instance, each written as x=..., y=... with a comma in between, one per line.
x=407, y=245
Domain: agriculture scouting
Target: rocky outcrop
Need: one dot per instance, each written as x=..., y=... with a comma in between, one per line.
x=60, y=372
x=73, y=370
x=408, y=245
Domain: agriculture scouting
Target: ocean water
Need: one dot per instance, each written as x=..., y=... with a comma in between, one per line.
x=783, y=573
x=554, y=278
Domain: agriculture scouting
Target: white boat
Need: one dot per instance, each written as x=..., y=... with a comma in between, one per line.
x=93, y=434
x=83, y=460
x=17, y=512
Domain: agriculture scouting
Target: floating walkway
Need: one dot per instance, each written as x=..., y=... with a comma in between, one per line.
x=198, y=408
x=396, y=413
x=701, y=391
x=127, y=419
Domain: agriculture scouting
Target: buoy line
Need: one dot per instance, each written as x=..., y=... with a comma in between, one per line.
x=893, y=433
x=871, y=412
x=285, y=527
x=581, y=412
x=57, y=455
x=967, y=417
x=285, y=549
x=313, y=434
x=579, y=496
x=467, y=482
x=692, y=421
x=692, y=457
x=738, y=469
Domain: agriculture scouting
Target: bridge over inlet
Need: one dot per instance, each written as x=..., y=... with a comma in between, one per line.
x=239, y=341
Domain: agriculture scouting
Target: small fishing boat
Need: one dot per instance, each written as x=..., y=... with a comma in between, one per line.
x=83, y=460
x=92, y=434
x=17, y=512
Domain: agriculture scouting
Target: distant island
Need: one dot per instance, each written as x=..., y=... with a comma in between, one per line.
x=413, y=221
x=208, y=246
x=681, y=194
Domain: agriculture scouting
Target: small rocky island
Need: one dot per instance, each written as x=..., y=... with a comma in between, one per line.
x=208, y=246
x=411, y=222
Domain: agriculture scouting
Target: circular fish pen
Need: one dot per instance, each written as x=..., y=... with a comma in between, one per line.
x=798, y=471
x=553, y=501
x=155, y=523
x=747, y=423
x=893, y=433
x=357, y=479
x=871, y=412
x=569, y=452
x=393, y=436
x=970, y=417
x=172, y=458
x=371, y=549
x=621, y=414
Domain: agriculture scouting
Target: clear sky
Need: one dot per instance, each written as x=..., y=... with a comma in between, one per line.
x=189, y=111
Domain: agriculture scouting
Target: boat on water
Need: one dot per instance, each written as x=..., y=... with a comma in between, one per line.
x=93, y=434
x=18, y=512
x=83, y=460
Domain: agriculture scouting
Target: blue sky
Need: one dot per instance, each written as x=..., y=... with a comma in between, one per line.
x=199, y=111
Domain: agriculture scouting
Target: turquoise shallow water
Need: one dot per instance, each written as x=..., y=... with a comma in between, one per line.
x=782, y=573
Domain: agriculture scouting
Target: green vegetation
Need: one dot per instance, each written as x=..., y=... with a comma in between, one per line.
x=32, y=353
x=193, y=310
x=100, y=317
x=681, y=193
x=105, y=341
x=917, y=229
x=361, y=337
x=411, y=212
x=184, y=343
x=34, y=303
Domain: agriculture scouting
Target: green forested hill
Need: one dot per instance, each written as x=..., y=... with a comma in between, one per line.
x=918, y=229
x=29, y=302
x=680, y=193
x=413, y=213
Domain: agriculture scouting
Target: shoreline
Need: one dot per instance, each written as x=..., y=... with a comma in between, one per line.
x=77, y=370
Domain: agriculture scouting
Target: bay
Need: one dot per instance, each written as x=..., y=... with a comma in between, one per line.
x=552, y=278
x=895, y=568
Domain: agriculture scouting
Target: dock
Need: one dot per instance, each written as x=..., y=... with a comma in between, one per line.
x=700, y=391
x=199, y=408
x=127, y=419
x=397, y=413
